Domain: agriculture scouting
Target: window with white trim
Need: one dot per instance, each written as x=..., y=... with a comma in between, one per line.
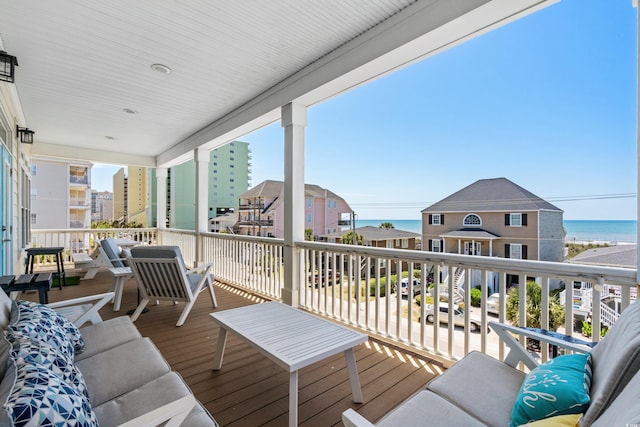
x=310, y=202
x=515, y=219
x=472, y=219
x=515, y=251
x=390, y=244
x=435, y=219
x=435, y=245
x=405, y=243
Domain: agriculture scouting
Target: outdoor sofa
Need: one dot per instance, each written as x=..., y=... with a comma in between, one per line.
x=480, y=390
x=56, y=374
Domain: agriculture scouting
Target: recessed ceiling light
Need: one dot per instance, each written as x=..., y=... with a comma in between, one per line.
x=111, y=138
x=161, y=68
x=129, y=111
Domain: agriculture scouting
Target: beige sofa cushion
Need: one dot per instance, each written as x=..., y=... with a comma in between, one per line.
x=114, y=372
x=625, y=409
x=150, y=396
x=428, y=409
x=482, y=386
x=107, y=334
x=615, y=360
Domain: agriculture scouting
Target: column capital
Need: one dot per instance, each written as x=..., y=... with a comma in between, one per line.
x=162, y=172
x=201, y=155
x=294, y=113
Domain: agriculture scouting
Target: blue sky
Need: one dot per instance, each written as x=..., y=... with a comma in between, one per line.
x=548, y=102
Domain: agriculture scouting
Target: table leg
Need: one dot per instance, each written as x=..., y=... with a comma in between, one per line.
x=60, y=266
x=222, y=342
x=118, y=286
x=350, y=358
x=293, y=399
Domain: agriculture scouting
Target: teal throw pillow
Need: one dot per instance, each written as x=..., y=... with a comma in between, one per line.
x=557, y=387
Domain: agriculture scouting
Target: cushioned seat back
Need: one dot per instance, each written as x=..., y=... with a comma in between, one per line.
x=157, y=252
x=110, y=248
x=5, y=316
x=616, y=359
x=624, y=410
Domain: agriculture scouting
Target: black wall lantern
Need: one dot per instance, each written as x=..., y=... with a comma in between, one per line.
x=8, y=66
x=25, y=134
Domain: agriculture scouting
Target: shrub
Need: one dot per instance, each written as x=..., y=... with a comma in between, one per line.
x=383, y=287
x=476, y=297
x=428, y=299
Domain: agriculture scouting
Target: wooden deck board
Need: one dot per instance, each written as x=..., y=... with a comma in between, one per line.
x=251, y=390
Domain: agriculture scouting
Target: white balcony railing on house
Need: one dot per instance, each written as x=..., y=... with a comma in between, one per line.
x=349, y=284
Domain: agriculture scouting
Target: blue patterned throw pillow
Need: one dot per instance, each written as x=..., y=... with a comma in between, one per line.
x=30, y=311
x=41, y=398
x=557, y=387
x=41, y=330
x=41, y=353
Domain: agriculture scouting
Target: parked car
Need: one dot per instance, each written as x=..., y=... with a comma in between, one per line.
x=404, y=287
x=458, y=317
x=493, y=304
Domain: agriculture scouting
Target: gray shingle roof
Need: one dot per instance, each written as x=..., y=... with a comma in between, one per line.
x=471, y=233
x=491, y=195
x=372, y=233
x=619, y=255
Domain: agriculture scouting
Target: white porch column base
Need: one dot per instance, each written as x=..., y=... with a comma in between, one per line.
x=294, y=120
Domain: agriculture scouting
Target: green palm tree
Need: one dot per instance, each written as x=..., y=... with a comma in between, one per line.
x=386, y=225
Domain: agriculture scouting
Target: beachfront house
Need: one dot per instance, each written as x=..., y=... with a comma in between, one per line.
x=261, y=210
x=495, y=218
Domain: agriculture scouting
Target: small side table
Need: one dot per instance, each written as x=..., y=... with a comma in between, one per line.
x=28, y=282
x=120, y=276
x=57, y=251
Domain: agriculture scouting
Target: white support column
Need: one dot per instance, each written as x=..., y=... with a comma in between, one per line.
x=201, y=157
x=294, y=120
x=161, y=194
x=635, y=4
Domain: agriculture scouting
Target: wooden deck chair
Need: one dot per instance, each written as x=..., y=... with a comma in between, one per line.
x=161, y=275
x=106, y=255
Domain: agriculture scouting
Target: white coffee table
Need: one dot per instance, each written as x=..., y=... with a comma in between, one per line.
x=292, y=338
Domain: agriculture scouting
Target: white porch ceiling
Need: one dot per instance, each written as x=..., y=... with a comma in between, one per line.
x=82, y=62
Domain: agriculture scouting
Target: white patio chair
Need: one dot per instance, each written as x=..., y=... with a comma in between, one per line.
x=161, y=275
x=83, y=309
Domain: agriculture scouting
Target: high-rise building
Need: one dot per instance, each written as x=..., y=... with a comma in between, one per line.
x=131, y=195
x=60, y=193
x=229, y=176
x=101, y=205
x=120, y=196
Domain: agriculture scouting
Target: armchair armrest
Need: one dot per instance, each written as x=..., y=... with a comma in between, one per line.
x=205, y=267
x=173, y=414
x=518, y=353
x=83, y=309
x=351, y=418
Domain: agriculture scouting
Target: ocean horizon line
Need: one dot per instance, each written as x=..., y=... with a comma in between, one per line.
x=596, y=231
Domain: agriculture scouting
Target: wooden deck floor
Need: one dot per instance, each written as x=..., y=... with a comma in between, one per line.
x=250, y=390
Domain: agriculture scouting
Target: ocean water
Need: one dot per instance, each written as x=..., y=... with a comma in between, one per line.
x=623, y=231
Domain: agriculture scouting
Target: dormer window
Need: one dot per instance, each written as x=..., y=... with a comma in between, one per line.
x=472, y=219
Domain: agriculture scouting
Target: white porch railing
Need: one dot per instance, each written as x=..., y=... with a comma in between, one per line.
x=352, y=284
x=83, y=240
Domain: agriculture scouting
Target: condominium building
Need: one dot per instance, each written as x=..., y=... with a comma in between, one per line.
x=60, y=193
x=131, y=195
x=229, y=176
x=261, y=210
x=101, y=205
